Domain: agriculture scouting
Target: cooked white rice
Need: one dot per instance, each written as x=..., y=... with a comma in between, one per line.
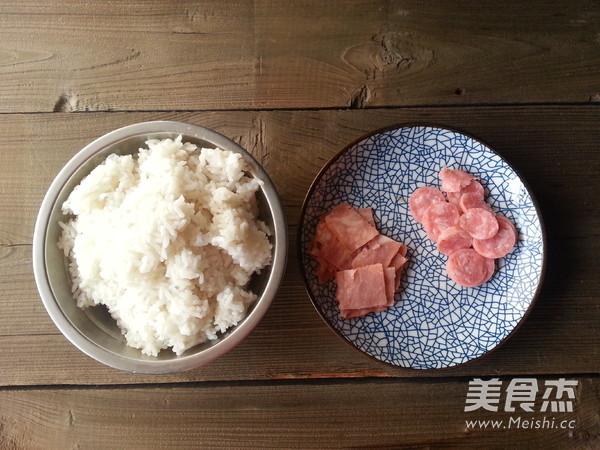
x=167, y=240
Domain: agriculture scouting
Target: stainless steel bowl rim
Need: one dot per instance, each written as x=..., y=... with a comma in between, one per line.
x=152, y=366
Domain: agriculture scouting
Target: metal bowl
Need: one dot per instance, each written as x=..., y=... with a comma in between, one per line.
x=93, y=330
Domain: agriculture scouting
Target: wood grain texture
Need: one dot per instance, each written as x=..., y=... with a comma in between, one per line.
x=390, y=414
x=294, y=83
x=77, y=55
x=292, y=342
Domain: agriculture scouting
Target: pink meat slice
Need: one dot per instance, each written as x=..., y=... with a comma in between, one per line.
x=453, y=180
x=454, y=197
x=325, y=270
x=399, y=263
x=329, y=252
x=452, y=239
x=467, y=267
x=474, y=187
x=480, y=223
x=491, y=268
x=367, y=214
x=353, y=313
x=389, y=274
x=360, y=288
x=471, y=200
x=438, y=217
x=469, y=196
x=509, y=223
x=422, y=198
x=500, y=244
x=380, y=249
x=350, y=228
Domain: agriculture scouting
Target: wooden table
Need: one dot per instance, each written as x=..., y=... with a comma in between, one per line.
x=294, y=82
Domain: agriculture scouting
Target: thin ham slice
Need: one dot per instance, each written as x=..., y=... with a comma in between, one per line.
x=350, y=228
x=389, y=274
x=367, y=214
x=363, y=287
x=353, y=313
x=381, y=249
x=329, y=253
x=353, y=285
x=399, y=263
x=368, y=276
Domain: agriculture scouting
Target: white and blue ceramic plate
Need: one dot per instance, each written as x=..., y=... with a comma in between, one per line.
x=434, y=323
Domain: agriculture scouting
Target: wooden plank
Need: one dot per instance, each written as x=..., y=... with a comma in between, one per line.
x=391, y=414
x=147, y=55
x=299, y=144
x=292, y=341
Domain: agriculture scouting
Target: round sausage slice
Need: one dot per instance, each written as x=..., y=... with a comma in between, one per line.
x=509, y=223
x=480, y=223
x=421, y=199
x=452, y=239
x=453, y=180
x=438, y=217
x=500, y=244
x=471, y=200
x=467, y=267
x=491, y=268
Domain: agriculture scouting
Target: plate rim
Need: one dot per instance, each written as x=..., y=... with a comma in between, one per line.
x=394, y=127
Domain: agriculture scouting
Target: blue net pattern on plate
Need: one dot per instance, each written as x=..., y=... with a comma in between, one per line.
x=434, y=323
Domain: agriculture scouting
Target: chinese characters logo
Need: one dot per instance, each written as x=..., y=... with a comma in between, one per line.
x=521, y=393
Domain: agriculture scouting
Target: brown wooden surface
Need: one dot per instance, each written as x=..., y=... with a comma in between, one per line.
x=294, y=83
x=201, y=55
x=277, y=415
